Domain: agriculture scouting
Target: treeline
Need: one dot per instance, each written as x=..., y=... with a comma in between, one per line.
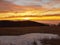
x=58, y=24
x=55, y=25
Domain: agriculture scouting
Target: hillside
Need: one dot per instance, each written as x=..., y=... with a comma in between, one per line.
x=20, y=23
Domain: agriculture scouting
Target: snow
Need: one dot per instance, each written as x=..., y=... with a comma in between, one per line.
x=26, y=39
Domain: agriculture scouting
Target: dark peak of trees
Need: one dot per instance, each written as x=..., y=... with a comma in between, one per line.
x=7, y=23
x=58, y=24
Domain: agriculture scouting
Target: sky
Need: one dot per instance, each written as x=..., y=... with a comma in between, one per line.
x=29, y=7
x=43, y=3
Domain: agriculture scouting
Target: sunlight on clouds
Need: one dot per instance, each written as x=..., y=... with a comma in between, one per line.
x=27, y=10
x=24, y=13
x=30, y=13
x=44, y=18
x=51, y=13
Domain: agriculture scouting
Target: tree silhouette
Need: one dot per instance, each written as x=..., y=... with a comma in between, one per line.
x=58, y=24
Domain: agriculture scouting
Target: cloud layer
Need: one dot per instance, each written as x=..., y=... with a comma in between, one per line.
x=44, y=3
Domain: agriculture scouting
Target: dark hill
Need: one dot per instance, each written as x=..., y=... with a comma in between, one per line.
x=7, y=23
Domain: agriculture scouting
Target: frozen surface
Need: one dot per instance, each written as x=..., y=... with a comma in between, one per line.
x=26, y=39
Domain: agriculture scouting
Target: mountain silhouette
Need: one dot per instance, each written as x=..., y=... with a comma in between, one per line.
x=7, y=23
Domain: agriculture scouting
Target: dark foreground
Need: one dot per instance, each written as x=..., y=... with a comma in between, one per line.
x=35, y=29
x=26, y=30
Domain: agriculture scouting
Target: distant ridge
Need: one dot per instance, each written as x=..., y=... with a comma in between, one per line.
x=27, y=23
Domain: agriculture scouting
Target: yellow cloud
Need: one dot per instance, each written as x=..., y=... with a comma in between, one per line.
x=31, y=15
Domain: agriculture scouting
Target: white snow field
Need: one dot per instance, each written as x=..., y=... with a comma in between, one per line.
x=26, y=39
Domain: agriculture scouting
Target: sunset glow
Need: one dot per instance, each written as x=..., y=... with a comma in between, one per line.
x=31, y=10
x=31, y=15
x=33, y=18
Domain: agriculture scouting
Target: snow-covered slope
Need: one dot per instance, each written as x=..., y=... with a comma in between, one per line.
x=27, y=39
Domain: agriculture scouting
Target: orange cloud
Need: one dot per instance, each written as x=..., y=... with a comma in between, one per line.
x=6, y=6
